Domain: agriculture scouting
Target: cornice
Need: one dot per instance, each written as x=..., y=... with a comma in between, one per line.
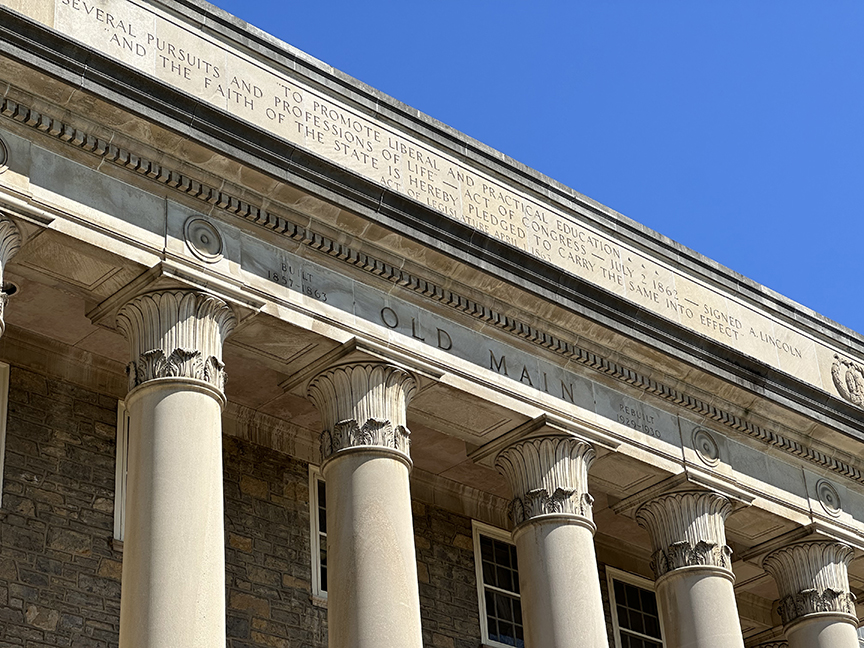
x=303, y=234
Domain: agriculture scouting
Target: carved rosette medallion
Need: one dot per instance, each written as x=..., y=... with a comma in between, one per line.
x=848, y=378
x=4, y=156
x=687, y=529
x=203, y=239
x=812, y=577
x=829, y=498
x=176, y=334
x=363, y=404
x=548, y=475
x=706, y=447
x=10, y=243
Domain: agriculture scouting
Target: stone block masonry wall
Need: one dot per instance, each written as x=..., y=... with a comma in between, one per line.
x=59, y=576
x=268, y=552
x=448, y=587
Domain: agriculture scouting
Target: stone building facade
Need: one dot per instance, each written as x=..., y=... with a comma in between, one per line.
x=285, y=363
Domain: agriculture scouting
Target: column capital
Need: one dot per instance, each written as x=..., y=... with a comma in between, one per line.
x=811, y=577
x=363, y=404
x=548, y=475
x=773, y=644
x=687, y=529
x=10, y=243
x=176, y=334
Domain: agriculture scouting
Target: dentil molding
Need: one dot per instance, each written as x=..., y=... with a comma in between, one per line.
x=811, y=577
x=548, y=475
x=176, y=334
x=687, y=529
x=567, y=349
x=363, y=404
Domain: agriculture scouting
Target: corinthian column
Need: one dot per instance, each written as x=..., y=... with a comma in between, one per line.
x=816, y=606
x=174, y=550
x=693, y=568
x=10, y=243
x=554, y=535
x=374, y=599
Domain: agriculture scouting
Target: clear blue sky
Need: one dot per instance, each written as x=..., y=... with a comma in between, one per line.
x=733, y=127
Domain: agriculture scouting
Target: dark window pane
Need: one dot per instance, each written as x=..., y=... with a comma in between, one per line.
x=502, y=553
x=637, y=622
x=652, y=626
x=648, y=602
x=489, y=574
x=485, y=548
x=503, y=609
x=504, y=580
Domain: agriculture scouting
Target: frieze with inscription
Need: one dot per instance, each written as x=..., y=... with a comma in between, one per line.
x=287, y=272
x=161, y=45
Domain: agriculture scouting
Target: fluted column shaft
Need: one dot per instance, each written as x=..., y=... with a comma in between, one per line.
x=10, y=243
x=173, y=591
x=816, y=606
x=692, y=565
x=554, y=535
x=373, y=599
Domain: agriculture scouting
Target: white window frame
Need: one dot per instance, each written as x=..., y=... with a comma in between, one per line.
x=613, y=574
x=120, y=474
x=318, y=595
x=478, y=529
x=4, y=409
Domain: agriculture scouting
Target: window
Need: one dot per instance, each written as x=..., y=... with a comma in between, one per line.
x=635, y=618
x=498, y=587
x=318, y=532
x=120, y=474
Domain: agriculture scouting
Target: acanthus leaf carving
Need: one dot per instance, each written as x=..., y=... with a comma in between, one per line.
x=10, y=243
x=810, y=601
x=182, y=363
x=363, y=404
x=374, y=432
x=683, y=554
